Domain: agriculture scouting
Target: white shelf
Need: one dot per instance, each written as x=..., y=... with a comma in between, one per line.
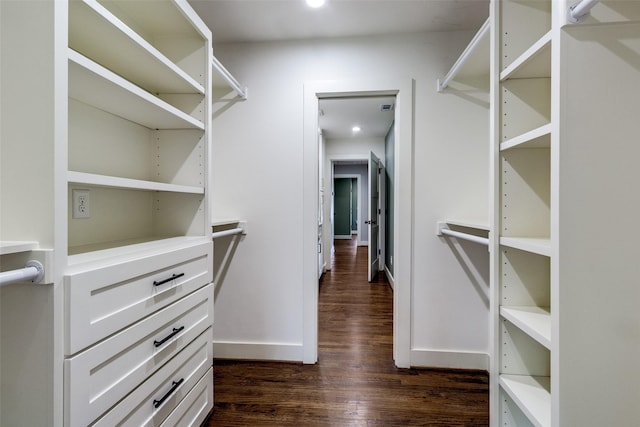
x=98, y=34
x=161, y=18
x=14, y=247
x=107, y=253
x=534, y=321
x=93, y=84
x=478, y=225
x=217, y=222
x=474, y=60
x=536, y=138
x=536, y=245
x=532, y=395
x=131, y=184
x=534, y=62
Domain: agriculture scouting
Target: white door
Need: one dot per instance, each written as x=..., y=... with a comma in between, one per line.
x=374, y=216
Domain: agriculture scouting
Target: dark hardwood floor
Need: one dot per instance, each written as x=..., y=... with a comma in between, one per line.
x=355, y=382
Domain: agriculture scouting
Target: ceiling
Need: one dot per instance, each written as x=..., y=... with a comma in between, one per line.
x=339, y=116
x=274, y=20
x=269, y=20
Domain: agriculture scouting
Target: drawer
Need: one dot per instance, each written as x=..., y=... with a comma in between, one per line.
x=195, y=408
x=102, y=300
x=101, y=376
x=167, y=389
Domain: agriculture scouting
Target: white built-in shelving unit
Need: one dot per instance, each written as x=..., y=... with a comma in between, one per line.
x=547, y=369
x=112, y=97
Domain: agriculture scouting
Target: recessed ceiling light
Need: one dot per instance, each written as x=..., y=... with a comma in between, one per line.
x=315, y=3
x=356, y=129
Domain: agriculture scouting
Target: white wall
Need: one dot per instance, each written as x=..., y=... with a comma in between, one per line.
x=258, y=174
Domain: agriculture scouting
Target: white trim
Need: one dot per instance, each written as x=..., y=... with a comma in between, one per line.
x=363, y=243
x=389, y=277
x=257, y=351
x=404, y=90
x=342, y=237
x=450, y=359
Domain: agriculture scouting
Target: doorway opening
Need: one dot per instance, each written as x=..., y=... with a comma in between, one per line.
x=316, y=198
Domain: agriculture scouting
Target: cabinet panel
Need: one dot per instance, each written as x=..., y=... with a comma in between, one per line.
x=521, y=354
x=525, y=184
x=522, y=23
x=179, y=379
x=100, y=301
x=524, y=279
x=101, y=376
x=525, y=105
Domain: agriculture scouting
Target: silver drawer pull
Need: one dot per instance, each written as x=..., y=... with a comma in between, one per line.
x=175, y=332
x=174, y=386
x=162, y=282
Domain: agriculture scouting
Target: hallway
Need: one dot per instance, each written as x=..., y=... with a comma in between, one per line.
x=355, y=382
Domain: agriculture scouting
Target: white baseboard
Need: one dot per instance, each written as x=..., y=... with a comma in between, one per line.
x=342, y=237
x=392, y=283
x=363, y=243
x=449, y=359
x=257, y=351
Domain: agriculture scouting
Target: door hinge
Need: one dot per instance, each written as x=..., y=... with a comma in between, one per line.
x=379, y=251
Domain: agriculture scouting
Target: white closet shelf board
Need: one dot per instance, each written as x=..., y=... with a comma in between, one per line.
x=534, y=62
x=95, y=85
x=99, y=255
x=99, y=35
x=474, y=60
x=536, y=245
x=14, y=247
x=534, y=321
x=532, y=395
x=536, y=138
x=159, y=18
x=478, y=225
x=217, y=222
x=222, y=78
x=130, y=184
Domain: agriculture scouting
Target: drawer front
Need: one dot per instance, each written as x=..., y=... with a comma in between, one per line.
x=194, y=409
x=104, y=300
x=157, y=397
x=99, y=377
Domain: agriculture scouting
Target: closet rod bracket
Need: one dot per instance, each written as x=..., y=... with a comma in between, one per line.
x=580, y=10
x=33, y=271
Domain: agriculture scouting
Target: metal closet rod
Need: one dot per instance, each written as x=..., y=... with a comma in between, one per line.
x=578, y=11
x=224, y=233
x=32, y=272
x=473, y=45
x=226, y=75
x=465, y=236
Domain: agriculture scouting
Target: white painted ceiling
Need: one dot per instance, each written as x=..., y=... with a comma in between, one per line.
x=273, y=20
x=339, y=116
x=262, y=20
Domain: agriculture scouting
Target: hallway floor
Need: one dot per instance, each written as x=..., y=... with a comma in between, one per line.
x=355, y=382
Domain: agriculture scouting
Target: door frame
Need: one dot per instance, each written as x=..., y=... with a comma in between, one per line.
x=404, y=90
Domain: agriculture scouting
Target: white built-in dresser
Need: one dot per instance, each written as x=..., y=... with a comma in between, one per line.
x=111, y=98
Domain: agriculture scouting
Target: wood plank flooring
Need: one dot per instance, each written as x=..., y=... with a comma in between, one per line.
x=355, y=382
